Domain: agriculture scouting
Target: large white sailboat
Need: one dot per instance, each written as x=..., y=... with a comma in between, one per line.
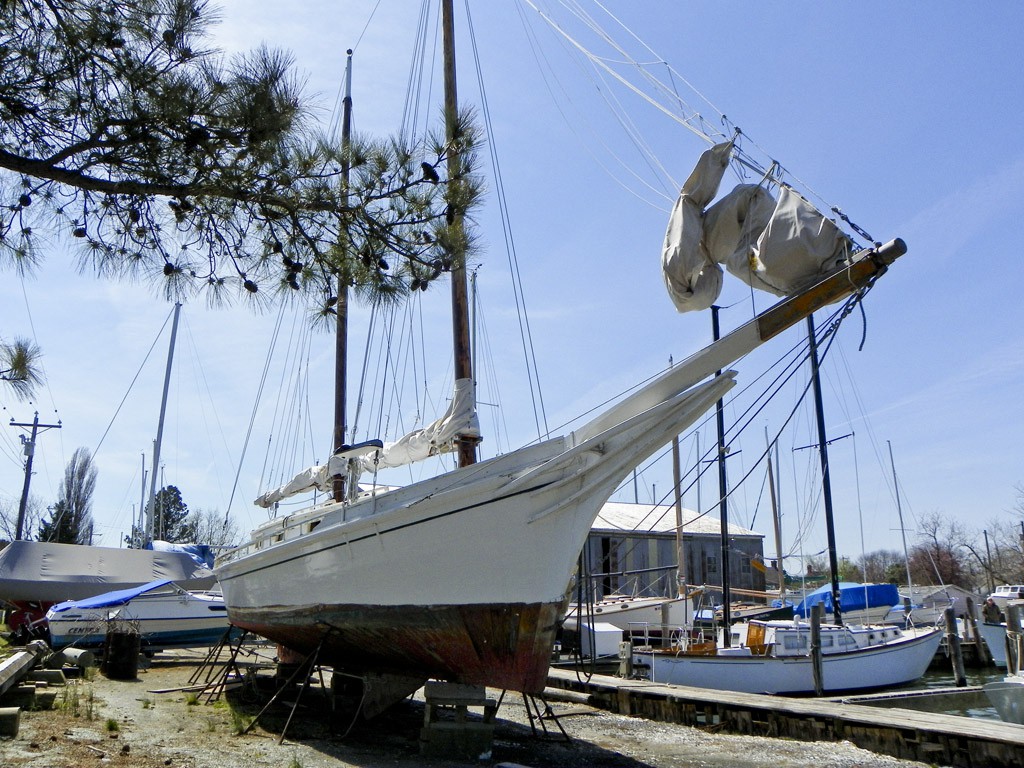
x=464, y=577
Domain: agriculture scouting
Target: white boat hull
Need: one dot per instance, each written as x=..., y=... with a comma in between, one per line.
x=163, y=620
x=883, y=666
x=635, y=613
x=461, y=578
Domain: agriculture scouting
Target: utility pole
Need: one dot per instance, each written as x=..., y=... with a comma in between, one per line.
x=30, y=450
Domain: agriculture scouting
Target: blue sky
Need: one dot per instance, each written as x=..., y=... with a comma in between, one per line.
x=907, y=116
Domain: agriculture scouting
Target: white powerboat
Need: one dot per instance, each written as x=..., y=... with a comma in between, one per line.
x=162, y=613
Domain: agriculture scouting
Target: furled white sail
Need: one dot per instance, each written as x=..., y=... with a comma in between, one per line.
x=733, y=225
x=797, y=246
x=779, y=246
x=459, y=420
x=692, y=278
x=309, y=479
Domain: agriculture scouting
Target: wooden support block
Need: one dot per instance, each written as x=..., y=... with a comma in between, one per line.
x=23, y=697
x=48, y=676
x=10, y=720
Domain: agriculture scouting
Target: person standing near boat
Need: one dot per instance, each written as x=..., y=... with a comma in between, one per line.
x=990, y=613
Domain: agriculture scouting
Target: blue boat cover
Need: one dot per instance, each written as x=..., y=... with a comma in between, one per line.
x=109, y=599
x=202, y=553
x=852, y=597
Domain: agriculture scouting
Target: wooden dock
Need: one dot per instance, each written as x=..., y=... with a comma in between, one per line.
x=904, y=733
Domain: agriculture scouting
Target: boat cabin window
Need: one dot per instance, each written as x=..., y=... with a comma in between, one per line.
x=792, y=642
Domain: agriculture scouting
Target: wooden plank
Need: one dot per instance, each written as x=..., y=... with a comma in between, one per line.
x=19, y=664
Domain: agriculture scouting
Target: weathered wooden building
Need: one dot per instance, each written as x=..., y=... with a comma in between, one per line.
x=632, y=550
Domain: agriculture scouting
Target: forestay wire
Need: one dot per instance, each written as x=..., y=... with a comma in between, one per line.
x=662, y=92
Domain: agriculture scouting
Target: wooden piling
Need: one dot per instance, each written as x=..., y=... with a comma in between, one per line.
x=20, y=663
x=1013, y=633
x=984, y=654
x=953, y=644
x=816, y=613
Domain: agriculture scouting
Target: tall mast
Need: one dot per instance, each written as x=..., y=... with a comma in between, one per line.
x=723, y=493
x=680, y=551
x=903, y=531
x=460, y=292
x=151, y=506
x=777, y=521
x=341, y=327
x=826, y=483
x=139, y=536
x=677, y=481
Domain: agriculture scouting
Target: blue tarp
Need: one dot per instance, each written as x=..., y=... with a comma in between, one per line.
x=109, y=599
x=852, y=597
x=202, y=553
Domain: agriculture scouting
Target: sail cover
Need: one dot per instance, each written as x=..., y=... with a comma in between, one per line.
x=779, y=246
x=692, y=278
x=796, y=246
x=459, y=420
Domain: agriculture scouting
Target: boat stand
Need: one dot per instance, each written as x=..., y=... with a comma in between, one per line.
x=533, y=712
x=212, y=686
x=305, y=668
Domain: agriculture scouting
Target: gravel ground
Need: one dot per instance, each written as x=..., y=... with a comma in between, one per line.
x=142, y=724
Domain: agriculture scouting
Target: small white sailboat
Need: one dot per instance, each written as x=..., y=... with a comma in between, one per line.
x=632, y=612
x=163, y=614
x=774, y=657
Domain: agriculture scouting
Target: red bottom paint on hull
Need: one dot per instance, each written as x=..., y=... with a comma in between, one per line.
x=499, y=646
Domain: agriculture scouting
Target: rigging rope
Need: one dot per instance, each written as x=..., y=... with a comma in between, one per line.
x=135, y=378
x=678, y=110
x=827, y=333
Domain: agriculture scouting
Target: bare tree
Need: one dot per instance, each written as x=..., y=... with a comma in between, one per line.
x=942, y=554
x=214, y=529
x=9, y=518
x=71, y=517
x=1004, y=557
x=880, y=566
